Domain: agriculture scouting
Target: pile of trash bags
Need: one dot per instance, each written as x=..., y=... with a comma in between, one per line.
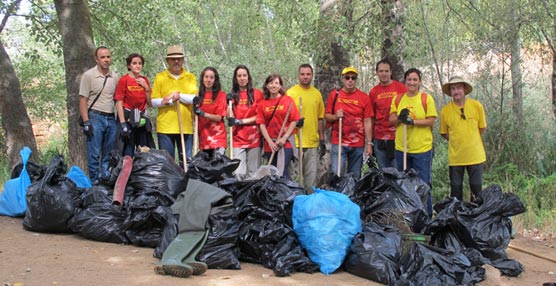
x=360, y=226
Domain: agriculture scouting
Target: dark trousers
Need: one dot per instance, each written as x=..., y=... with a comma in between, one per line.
x=475, y=173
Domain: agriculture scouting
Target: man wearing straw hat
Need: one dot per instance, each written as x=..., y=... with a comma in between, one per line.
x=171, y=87
x=462, y=123
x=349, y=111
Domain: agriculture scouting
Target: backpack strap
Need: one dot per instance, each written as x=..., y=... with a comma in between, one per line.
x=335, y=99
x=423, y=100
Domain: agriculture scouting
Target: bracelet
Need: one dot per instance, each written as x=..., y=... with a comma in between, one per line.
x=370, y=143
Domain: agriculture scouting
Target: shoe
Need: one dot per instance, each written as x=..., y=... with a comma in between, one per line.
x=177, y=270
x=198, y=267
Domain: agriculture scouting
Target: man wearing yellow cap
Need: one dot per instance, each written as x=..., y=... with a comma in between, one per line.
x=462, y=123
x=354, y=108
x=174, y=86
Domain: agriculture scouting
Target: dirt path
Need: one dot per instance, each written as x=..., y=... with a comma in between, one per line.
x=29, y=259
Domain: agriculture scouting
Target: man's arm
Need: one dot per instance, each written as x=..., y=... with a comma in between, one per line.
x=83, y=108
x=368, y=124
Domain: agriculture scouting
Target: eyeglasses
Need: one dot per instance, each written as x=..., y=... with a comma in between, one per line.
x=462, y=114
x=353, y=77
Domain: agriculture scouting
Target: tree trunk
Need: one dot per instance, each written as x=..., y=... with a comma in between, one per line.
x=517, y=98
x=17, y=126
x=79, y=48
x=333, y=56
x=393, y=16
x=554, y=83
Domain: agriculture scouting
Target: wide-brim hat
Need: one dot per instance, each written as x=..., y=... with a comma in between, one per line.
x=174, y=52
x=350, y=69
x=456, y=79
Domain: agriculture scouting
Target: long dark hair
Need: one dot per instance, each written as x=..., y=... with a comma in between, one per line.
x=270, y=78
x=235, y=86
x=216, y=87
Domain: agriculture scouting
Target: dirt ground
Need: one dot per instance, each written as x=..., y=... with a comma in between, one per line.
x=29, y=259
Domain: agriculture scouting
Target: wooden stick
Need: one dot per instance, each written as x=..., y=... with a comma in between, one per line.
x=281, y=130
x=196, y=136
x=230, y=111
x=532, y=253
x=181, y=138
x=404, y=146
x=339, y=146
x=300, y=138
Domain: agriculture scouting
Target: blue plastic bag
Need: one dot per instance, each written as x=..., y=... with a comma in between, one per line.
x=12, y=200
x=79, y=177
x=325, y=223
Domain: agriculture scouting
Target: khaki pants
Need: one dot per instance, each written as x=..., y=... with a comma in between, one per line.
x=250, y=161
x=310, y=166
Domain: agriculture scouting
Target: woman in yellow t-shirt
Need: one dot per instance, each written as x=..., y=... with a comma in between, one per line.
x=414, y=114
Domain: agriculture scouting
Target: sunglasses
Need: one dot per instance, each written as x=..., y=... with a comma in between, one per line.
x=353, y=77
x=462, y=114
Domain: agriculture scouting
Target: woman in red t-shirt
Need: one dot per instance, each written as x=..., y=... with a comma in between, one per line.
x=275, y=127
x=210, y=107
x=246, y=143
x=132, y=97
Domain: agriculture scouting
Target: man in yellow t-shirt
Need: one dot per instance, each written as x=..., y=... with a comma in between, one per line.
x=311, y=123
x=174, y=86
x=462, y=123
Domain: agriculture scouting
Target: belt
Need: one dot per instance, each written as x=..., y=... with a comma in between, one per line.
x=102, y=113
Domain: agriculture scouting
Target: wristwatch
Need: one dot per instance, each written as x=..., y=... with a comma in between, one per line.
x=370, y=143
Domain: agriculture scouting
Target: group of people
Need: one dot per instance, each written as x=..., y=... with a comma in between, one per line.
x=393, y=121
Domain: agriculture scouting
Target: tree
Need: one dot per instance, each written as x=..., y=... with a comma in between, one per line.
x=393, y=16
x=15, y=120
x=78, y=50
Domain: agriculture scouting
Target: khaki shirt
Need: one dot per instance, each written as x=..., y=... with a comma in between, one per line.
x=91, y=85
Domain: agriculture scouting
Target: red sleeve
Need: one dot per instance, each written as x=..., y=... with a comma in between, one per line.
x=121, y=89
x=260, y=113
x=330, y=101
x=368, y=111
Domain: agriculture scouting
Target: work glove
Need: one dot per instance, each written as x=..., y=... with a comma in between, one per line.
x=198, y=111
x=322, y=148
x=232, y=121
x=404, y=117
x=125, y=130
x=229, y=97
x=300, y=122
x=87, y=128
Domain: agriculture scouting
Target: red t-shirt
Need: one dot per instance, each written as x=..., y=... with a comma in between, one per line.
x=356, y=107
x=273, y=125
x=246, y=136
x=212, y=134
x=131, y=93
x=381, y=99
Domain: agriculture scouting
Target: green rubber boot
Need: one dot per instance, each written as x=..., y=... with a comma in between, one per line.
x=179, y=258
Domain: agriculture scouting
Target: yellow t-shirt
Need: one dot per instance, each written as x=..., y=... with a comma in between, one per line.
x=312, y=111
x=419, y=138
x=167, y=118
x=465, y=144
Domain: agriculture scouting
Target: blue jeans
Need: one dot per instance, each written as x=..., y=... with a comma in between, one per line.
x=354, y=157
x=422, y=163
x=382, y=156
x=105, y=130
x=288, y=155
x=169, y=142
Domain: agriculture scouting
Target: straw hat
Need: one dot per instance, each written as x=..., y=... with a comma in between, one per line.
x=350, y=69
x=174, y=52
x=456, y=79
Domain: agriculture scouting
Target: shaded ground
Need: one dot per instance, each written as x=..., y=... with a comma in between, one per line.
x=29, y=259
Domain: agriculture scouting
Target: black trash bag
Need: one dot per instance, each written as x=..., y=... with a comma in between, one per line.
x=393, y=190
x=374, y=254
x=211, y=169
x=429, y=265
x=169, y=232
x=220, y=250
x=115, y=164
x=345, y=185
x=290, y=257
x=485, y=226
x=52, y=201
x=156, y=170
x=265, y=214
x=147, y=217
x=35, y=171
x=98, y=218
